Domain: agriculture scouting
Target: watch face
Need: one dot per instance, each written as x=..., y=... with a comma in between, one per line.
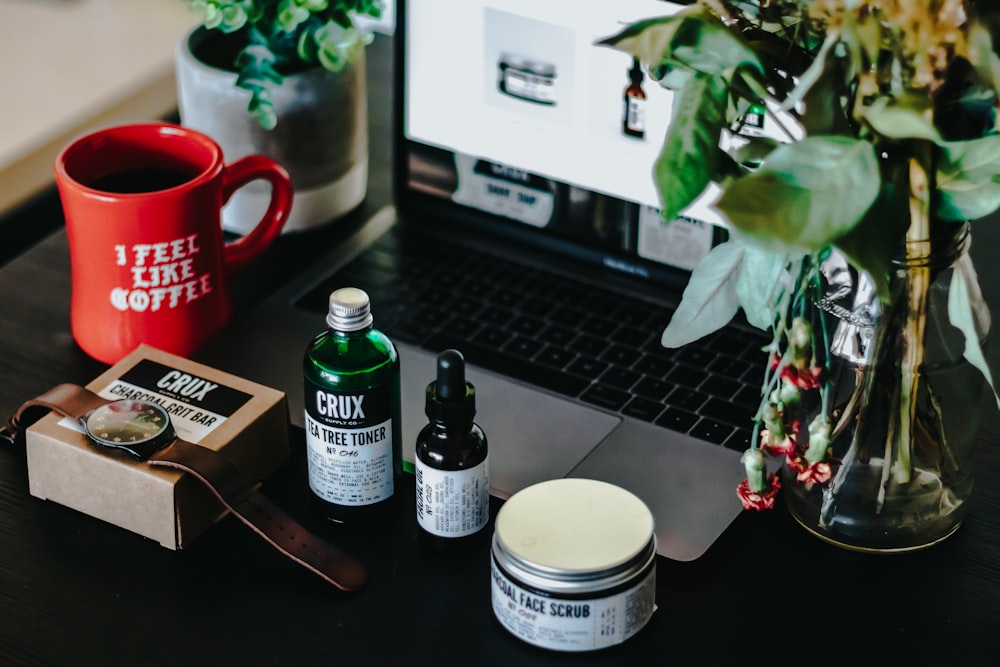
x=135, y=426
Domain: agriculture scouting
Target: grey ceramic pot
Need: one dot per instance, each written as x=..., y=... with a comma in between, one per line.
x=321, y=137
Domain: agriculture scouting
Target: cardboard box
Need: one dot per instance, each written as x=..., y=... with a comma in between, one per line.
x=245, y=421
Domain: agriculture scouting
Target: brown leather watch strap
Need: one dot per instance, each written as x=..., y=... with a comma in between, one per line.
x=237, y=493
x=69, y=400
x=263, y=516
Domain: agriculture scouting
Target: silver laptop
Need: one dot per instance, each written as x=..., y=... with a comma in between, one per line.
x=525, y=234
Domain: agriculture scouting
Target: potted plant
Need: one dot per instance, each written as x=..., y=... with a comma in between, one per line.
x=848, y=241
x=283, y=78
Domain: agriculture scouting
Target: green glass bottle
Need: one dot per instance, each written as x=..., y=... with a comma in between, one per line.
x=352, y=414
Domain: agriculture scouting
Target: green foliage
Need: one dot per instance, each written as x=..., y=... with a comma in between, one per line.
x=824, y=186
x=965, y=318
x=283, y=36
x=691, y=158
x=710, y=298
x=969, y=178
x=733, y=276
x=838, y=180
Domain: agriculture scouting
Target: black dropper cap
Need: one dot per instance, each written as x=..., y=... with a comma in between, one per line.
x=635, y=74
x=450, y=399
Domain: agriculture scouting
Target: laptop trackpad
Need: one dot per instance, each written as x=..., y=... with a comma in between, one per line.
x=689, y=485
x=532, y=436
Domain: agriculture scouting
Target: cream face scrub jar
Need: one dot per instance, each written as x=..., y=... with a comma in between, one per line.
x=526, y=78
x=573, y=565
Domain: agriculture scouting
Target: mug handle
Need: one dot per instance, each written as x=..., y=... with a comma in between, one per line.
x=241, y=253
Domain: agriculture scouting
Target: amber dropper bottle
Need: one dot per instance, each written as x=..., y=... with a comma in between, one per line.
x=452, y=460
x=634, y=113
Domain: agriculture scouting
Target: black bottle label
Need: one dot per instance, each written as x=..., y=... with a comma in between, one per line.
x=349, y=444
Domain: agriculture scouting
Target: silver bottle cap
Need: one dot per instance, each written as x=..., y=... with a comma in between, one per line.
x=350, y=310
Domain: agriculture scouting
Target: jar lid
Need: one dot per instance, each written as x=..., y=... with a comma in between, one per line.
x=574, y=525
x=528, y=64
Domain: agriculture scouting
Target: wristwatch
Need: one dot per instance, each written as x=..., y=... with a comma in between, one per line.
x=143, y=430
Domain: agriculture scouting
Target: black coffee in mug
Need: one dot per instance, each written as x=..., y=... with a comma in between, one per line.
x=141, y=179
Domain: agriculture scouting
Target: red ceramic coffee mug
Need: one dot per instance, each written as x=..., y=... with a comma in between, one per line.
x=148, y=258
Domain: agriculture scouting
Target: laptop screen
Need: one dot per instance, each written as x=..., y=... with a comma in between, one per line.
x=512, y=110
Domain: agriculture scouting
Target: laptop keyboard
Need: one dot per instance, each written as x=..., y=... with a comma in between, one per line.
x=538, y=327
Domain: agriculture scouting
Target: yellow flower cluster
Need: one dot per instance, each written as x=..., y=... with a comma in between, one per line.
x=930, y=34
x=922, y=36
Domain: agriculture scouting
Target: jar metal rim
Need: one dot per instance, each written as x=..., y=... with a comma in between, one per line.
x=560, y=581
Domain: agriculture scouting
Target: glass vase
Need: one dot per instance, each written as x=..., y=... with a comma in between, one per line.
x=905, y=403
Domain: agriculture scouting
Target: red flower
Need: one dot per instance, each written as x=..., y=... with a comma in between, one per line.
x=763, y=500
x=804, y=378
x=802, y=375
x=775, y=447
x=775, y=360
x=816, y=472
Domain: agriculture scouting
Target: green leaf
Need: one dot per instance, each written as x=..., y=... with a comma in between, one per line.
x=875, y=240
x=256, y=72
x=755, y=150
x=968, y=178
x=671, y=78
x=806, y=195
x=704, y=44
x=901, y=119
x=261, y=107
x=266, y=116
x=256, y=68
x=709, y=301
x=306, y=47
x=339, y=46
x=212, y=17
x=692, y=38
x=983, y=57
x=689, y=157
x=233, y=18
x=763, y=275
x=649, y=39
x=290, y=17
x=963, y=317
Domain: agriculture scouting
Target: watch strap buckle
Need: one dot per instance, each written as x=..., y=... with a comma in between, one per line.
x=11, y=429
x=69, y=400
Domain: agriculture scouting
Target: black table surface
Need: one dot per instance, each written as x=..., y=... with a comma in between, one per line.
x=74, y=590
